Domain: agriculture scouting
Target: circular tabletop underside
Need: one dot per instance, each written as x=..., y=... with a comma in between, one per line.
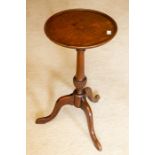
x=80, y=28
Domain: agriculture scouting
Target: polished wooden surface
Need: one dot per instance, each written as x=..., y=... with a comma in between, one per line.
x=80, y=65
x=78, y=99
x=80, y=28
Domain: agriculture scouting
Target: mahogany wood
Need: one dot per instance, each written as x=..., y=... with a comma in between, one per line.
x=79, y=29
x=68, y=99
x=85, y=106
x=80, y=65
x=89, y=93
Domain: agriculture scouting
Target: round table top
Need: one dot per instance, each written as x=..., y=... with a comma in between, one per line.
x=80, y=28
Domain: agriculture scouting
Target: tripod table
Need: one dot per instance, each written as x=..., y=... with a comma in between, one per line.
x=79, y=29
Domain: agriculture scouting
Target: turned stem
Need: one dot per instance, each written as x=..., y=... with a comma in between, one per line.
x=80, y=74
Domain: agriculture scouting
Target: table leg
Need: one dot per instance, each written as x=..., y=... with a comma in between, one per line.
x=68, y=99
x=88, y=112
x=89, y=93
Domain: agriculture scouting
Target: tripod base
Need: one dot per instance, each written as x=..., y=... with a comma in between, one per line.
x=79, y=101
